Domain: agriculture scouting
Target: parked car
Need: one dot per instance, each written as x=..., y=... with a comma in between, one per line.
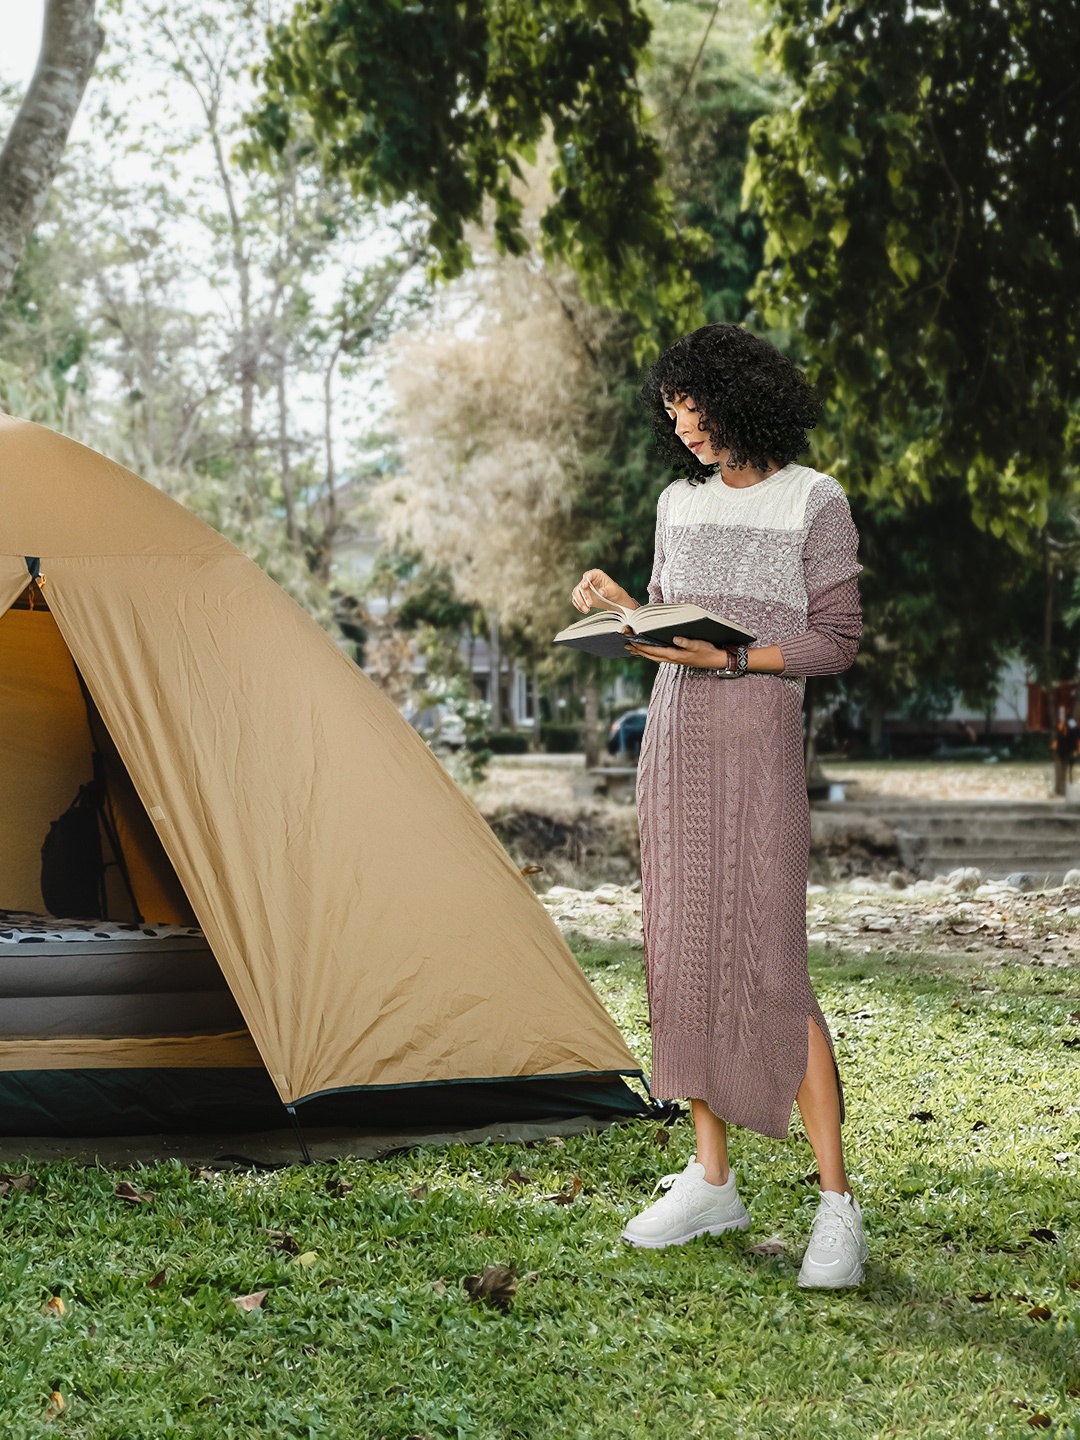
x=624, y=736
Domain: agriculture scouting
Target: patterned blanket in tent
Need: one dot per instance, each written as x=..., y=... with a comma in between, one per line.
x=18, y=927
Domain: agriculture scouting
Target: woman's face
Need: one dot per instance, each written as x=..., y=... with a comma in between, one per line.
x=689, y=427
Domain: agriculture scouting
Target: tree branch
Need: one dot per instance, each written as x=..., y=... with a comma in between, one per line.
x=34, y=146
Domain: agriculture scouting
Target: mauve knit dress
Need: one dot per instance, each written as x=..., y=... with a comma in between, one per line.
x=725, y=823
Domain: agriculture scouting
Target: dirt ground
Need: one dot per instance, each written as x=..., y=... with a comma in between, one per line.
x=941, y=780
x=988, y=922
x=546, y=813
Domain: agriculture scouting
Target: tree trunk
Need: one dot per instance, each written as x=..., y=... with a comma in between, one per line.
x=815, y=778
x=534, y=678
x=592, y=722
x=326, y=545
x=1048, y=661
x=511, y=694
x=34, y=147
x=877, y=727
x=494, y=671
x=285, y=459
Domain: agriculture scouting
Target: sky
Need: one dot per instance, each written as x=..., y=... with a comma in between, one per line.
x=20, y=29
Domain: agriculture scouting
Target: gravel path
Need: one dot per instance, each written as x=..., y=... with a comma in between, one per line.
x=982, y=921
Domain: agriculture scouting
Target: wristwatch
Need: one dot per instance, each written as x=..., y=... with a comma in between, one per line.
x=738, y=661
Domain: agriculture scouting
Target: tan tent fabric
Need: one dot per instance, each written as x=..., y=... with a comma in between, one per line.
x=232, y=1050
x=370, y=926
x=45, y=749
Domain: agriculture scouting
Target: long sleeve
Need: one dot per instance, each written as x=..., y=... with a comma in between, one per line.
x=655, y=592
x=834, y=619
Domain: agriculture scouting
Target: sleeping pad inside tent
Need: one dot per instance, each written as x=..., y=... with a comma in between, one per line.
x=233, y=880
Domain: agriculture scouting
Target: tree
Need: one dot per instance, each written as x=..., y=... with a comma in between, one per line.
x=920, y=201
x=442, y=103
x=34, y=145
x=492, y=397
x=704, y=97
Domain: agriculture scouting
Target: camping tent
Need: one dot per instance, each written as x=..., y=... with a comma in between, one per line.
x=372, y=956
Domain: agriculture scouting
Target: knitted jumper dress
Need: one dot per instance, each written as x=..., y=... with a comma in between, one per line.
x=724, y=818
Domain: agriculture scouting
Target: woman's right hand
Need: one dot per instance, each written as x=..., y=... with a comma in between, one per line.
x=597, y=581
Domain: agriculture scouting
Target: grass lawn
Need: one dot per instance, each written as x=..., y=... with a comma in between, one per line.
x=967, y=1324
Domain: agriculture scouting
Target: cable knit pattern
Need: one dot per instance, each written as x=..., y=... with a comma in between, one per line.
x=725, y=825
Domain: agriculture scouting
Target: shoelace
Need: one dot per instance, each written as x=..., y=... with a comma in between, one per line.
x=829, y=1224
x=670, y=1196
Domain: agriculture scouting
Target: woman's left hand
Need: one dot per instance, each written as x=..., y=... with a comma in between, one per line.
x=697, y=653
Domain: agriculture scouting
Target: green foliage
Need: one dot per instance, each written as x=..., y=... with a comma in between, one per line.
x=44, y=334
x=705, y=112
x=375, y=1337
x=920, y=200
x=441, y=102
x=943, y=603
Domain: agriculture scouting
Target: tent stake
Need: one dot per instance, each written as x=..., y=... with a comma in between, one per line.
x=299, y=1133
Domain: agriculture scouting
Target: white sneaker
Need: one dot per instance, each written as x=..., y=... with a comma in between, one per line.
x=837, y=1250
x=690, y=1207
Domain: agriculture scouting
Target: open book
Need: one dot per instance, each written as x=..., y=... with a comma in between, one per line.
x=601, y=633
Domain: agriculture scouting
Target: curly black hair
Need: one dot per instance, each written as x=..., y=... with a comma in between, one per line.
x=754, y=402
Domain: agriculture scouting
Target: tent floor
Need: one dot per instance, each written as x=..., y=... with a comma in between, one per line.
x=273, y=1147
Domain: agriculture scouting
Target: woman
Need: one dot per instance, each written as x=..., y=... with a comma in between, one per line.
x=762, y=540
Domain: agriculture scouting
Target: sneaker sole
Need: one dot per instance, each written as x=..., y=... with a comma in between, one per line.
x=742, y=1223
x=849, y=1284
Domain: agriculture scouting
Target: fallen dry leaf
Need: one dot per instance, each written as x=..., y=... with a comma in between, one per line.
x=517, y=1177
x=439, y=1286
x=418, y=1192
x=307, y=1259
x=567, y=1197
x=200, y=1172
x=21, y=1184
x=338, y=1187
x=1039, y=1312
x=981, y=1297
x=54, y=1406
x=126, y=1192
x=1040, y=1421
x=496, y=1285
x=156, y=1281
x=773, y=1246
x=531, y=869
x=922, y=1116
x=661, y=1137
x=55, y=1307
x=250, y=1302
x=1049, y=1236
x=282, y=1240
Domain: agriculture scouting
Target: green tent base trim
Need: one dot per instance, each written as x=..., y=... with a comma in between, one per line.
x=191, y=1101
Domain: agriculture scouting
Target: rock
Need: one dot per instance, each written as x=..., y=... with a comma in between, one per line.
x=817, y=889
x=1072, y=877
x=897, y=880
x=967, y=877
x=863, y=885
x=1021, y=880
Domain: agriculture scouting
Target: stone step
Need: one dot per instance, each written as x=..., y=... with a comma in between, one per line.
x=1000, y=838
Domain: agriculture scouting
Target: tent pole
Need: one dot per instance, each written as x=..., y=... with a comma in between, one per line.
x=299, y=1133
